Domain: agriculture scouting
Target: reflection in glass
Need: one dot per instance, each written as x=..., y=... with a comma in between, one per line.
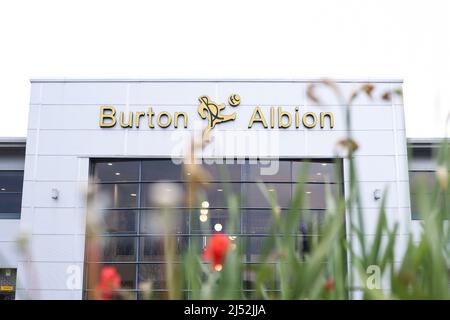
x=152, y=247
x=135, y=227
x=317, y=171
x=215, y=216
x=112, y=171
x=123, y=195
x=154, y=221
x=127, y=273
x=120, y=221
x=231, y=171
x=254, y=197
x=119, y=249
x=154, y=170
x=216, y=196
x=147, y=190
x=269, y=171
x=154, y=273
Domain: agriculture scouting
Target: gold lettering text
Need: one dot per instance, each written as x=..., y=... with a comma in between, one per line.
x=257, y=116
x=150, y=115
x=282, y=114
x=139, y=115
x=129, y=124
x=322, y=119
x=179, y=114
x=305, y=120
x=164, y=114
x=111, y=116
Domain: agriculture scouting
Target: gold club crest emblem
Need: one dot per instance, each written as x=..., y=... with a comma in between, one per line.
x=212, y=111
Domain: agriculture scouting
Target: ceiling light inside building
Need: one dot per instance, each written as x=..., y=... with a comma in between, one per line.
x=205, y=204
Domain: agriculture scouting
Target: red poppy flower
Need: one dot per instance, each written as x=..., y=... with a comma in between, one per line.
x=329, y=284
x=109, y=281
x=216, y=249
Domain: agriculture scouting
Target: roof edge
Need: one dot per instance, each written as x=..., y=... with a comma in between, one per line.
x=287, y=80
x=12, y=142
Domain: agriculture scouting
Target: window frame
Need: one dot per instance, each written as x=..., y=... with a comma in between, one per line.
x=139, y=209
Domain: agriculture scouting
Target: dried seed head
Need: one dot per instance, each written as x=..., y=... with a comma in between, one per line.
x=310, y=93
x=386, y=96
x=346, y=146
x=353, y=96
x=442, y=176
x=367, y=89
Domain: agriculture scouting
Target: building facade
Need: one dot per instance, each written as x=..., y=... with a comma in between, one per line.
x=124, y=137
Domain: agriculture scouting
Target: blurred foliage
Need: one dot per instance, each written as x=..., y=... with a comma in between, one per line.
x=341, y=263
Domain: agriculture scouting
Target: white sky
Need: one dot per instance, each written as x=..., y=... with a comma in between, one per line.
x=229, y=39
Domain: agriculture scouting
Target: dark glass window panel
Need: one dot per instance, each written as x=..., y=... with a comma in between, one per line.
x=154, y=221
x=155, y=273
x=120, y=221
x=422, y=152
x=269, y=171
x=147, y=190
x=231, y=171
x=254, y=248
x=154, y=170
x=114, y=171
x=422, y=179
x=254, y=198
x=259, y=221
x=214, y=216
x=10, y=202
x=315, y=195
x=216, y=195
x=152, y=247
x=115, y=195
x=127, y=272
x=11, y=181
x=119, y=249
x=256, y=221
x=253, y=221
x=415, y=208
x=310, y=219
x=322, y=171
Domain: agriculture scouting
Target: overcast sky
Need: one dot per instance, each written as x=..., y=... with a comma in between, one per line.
x=229, y=39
